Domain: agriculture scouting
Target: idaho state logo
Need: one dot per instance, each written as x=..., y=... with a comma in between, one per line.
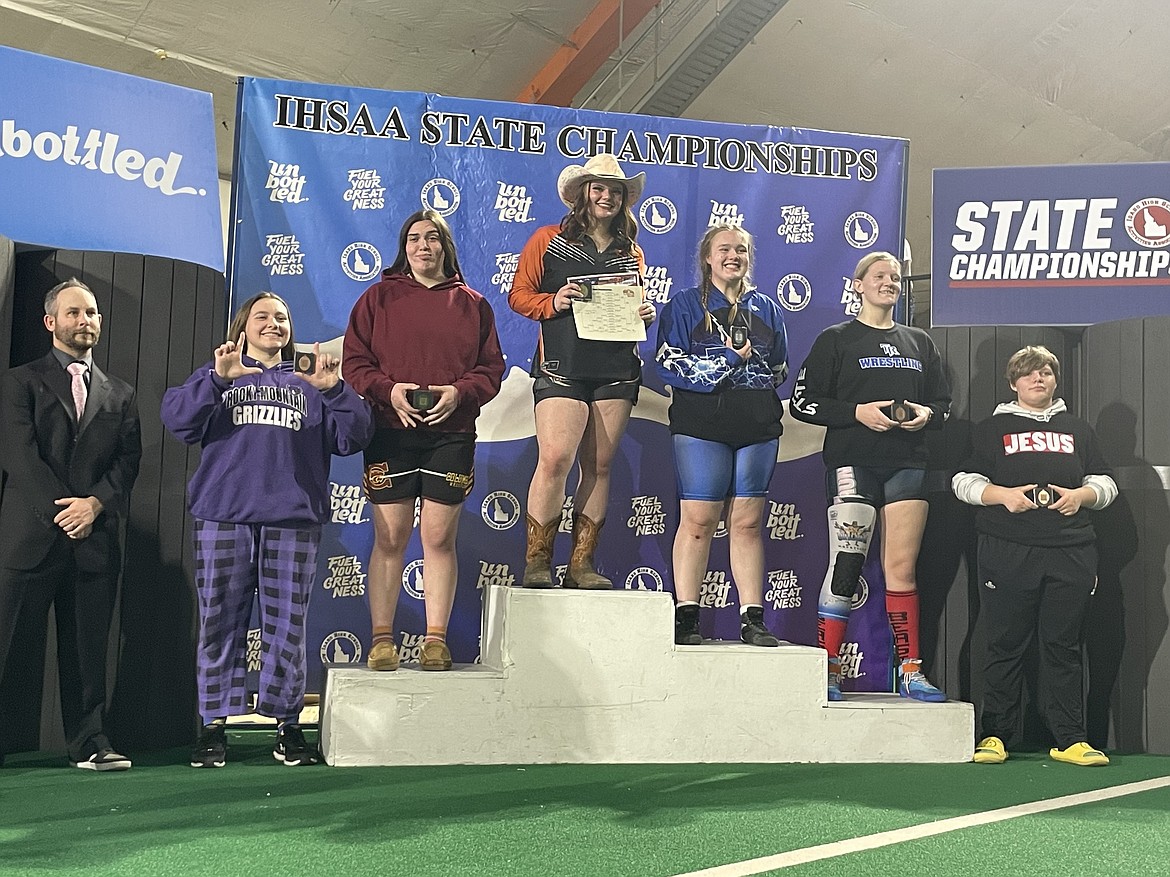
x=657, y=215
x=861, y=230
x=1148, y=222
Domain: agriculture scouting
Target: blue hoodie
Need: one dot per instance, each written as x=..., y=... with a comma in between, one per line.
x=717, y=395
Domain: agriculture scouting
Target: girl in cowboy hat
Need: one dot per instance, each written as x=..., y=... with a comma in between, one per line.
x=584, y=390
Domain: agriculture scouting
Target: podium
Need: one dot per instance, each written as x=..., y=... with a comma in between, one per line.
x=595, y=677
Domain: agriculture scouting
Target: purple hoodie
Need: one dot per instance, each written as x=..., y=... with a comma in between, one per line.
x=266, y=440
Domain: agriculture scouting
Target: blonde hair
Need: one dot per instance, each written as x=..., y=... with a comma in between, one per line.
x=869, y=259
x=705, y=284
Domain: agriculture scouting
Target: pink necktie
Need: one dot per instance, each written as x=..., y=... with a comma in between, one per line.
x=77, y=369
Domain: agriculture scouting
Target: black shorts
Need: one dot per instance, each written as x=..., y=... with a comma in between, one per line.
x=546, y=387
x=878, y=485
x=408, y=463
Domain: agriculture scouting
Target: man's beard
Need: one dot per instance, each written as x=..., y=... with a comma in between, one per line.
x=76, y=339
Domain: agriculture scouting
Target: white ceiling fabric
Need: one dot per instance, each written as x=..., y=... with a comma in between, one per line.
x=975, y=83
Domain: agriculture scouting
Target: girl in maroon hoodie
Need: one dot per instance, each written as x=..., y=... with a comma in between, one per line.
x=422, y=348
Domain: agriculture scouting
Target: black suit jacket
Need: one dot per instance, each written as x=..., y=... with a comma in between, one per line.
x=47, y=455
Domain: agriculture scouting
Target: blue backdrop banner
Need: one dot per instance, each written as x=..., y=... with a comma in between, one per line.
x=96, y=160
x=325, y=175
x=1050, y=246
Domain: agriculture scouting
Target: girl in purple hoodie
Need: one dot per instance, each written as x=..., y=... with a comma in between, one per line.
x=259, y=497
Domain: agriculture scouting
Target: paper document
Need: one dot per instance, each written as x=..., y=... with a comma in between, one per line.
x=609, y=310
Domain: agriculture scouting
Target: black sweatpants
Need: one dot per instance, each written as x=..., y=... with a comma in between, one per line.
x=1029, y=591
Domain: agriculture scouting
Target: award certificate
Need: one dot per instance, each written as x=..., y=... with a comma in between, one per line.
x=609, y=309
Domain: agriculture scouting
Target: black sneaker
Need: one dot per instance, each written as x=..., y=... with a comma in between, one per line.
x=752, y=630
x=103, y=759
x=211, y=747
x=291, y=747
x=686, y=626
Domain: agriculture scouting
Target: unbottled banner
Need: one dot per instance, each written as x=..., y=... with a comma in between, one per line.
x=325, y=177
x=96, y=160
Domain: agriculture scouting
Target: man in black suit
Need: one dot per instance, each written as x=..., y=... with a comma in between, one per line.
x=70, y=450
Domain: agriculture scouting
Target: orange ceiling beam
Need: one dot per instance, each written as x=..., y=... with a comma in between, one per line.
x=575, y=62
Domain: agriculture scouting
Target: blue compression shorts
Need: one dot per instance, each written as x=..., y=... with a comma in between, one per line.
x=713, y=471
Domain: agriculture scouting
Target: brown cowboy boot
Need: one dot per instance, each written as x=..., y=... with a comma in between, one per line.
x=538, y=556
x=581, y=573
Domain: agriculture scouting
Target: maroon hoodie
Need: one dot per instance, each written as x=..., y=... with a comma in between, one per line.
x=403, y=332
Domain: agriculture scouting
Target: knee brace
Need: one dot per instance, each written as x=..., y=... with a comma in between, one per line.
x=850, y=532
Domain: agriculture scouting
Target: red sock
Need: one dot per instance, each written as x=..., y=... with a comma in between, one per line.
x=902, y=609
x=830, y=634
x=382, y=635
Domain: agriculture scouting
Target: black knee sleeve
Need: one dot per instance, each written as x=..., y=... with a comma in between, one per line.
x=846, y=573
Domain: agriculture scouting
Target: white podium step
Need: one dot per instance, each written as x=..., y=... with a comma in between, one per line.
x=595, y=677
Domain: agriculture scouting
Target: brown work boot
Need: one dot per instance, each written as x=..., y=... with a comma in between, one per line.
x=538, y=556
x=581, y=573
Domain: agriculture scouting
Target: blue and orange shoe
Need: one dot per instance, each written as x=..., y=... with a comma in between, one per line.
x=834, y=688
x=913, y=684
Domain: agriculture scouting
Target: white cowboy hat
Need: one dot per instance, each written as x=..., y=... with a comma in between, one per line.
x=600, y=167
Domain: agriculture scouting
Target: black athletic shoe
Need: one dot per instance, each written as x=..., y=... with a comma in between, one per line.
x=686, y=626
x=752, y=630
x=291, y=747
x=211, y=747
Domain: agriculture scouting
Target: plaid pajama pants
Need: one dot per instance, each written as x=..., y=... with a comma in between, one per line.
x=233, y=562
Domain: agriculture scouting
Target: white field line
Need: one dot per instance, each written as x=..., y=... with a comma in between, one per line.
x=916, y=832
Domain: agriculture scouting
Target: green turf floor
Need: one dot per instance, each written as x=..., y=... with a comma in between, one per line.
x=257, y=816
